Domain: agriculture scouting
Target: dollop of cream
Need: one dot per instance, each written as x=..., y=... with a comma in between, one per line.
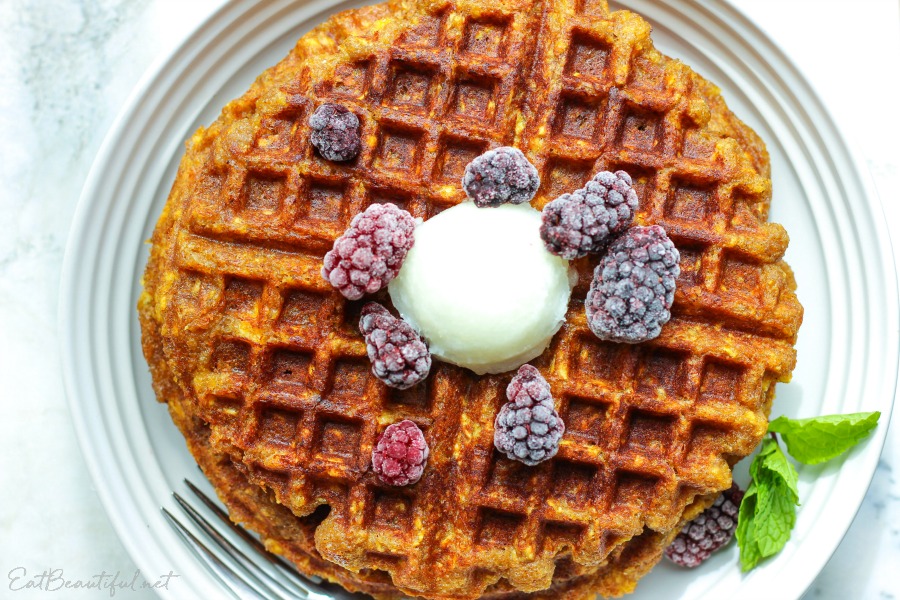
x=481, y=288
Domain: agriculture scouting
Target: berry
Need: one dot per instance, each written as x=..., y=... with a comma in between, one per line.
x=501, y=175
x=633, y=286
x=398, y=353
x=708, y=532
x=400, y=454
x=528, y=428
x=335, y=132
x=371, y=251
x=585, y=220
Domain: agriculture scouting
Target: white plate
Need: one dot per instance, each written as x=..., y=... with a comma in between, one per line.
x=848, y=346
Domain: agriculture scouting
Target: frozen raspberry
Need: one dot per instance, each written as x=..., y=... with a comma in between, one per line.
x=335, y=132
x=585, y=220
x=528, y=428
x=501, y=175
x=398, y=353
x=371, y=251
x=633, y=286
x=708, y=532
x=400, y=454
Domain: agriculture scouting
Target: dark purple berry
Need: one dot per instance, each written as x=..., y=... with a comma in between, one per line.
x=708, y=532
x=398, y=353
x=371, y=251
x=585, y=221
x=501, y=175
x=528, y=428
x=633, y=286
x=335, y=132
x=400, y=454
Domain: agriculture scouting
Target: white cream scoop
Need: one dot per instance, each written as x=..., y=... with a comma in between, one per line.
x=481, y=288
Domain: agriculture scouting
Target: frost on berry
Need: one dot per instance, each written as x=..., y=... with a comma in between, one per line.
x=499, y=176
x=585, y=221
x=528, y=428
x=708, y=532
x=633, y=287
x=400, y=454
x=335, y=132
x=370, y=253
x=398, y=353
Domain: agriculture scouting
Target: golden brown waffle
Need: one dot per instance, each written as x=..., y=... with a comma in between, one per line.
x=269, y=356
x=293, y=537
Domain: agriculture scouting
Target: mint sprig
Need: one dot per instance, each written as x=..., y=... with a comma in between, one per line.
x=812, y=441
x=769, y=508
x=768, y=511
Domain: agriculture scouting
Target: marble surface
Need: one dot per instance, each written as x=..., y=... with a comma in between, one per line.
x=67, y=66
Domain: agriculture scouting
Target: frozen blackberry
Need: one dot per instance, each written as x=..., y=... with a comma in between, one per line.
x=335, y=132
x=633, y=286
x=528, y=428
x=501, y=175
x=584, y=221
x=400, y=454
x=708, y=532
x=398, y=353
x=370, y=253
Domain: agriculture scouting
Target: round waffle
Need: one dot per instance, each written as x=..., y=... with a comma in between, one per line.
x=265, y=354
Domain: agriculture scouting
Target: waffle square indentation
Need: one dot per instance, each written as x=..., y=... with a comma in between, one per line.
x=721, y=382
x=242, y=297
x=453, y=156
x=324, y=202
x=498, y=528
x=485, y=37
x=230, y=356
x=290, y=366
x=661, y=372
x=577, y=117
x=586, y=419
x=588, y=57
x=563, y=176
x=351, y=375
x=337, y=437
x=651, y=433
x=277, y=426
x=410, y=86
x=691, y=267
x=690, y=201
x=398, y=150
x=598, y=360
x=641, y=130
x=573, y=482
x=352, y=80
x=262, y=191
x=634, y=489
x=739, y=275
x=474, y=99
x=391, y=509
x=300, y=310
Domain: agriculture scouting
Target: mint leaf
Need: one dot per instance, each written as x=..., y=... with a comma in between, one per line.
x=818, y=439
x=768, y=511
x=777, y=507
x=746, y=530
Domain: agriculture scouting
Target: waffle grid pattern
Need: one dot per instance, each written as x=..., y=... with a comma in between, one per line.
x=284, y=376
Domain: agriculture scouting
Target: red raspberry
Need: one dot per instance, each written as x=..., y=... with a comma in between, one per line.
x=398, y=353
x=400, y=455
x=371, y=251
x=708, y=532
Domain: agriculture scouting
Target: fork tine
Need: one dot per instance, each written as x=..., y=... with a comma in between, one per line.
x=283, y=567
x=261, y=577
x=235, y=584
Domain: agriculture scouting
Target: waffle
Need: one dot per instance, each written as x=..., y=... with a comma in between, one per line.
x=293, y=537
x=269, y=357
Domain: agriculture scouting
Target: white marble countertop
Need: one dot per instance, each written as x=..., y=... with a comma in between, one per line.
x=66, y=66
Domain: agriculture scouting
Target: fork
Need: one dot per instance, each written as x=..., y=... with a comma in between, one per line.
x=242, y=575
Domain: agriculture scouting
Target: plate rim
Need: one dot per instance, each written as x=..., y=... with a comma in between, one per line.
x=222, y=17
